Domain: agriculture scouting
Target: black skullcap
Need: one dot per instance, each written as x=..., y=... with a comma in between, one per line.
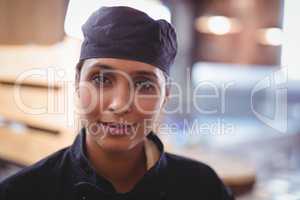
x=126, y=33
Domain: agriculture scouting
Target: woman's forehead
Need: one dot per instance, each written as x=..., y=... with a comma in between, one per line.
x=127, y=66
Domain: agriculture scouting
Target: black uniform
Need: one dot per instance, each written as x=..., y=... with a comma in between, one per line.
x=67, y=174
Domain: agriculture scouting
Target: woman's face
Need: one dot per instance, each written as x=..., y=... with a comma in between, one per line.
x=120, y=101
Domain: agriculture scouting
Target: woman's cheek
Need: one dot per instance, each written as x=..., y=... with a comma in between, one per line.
x=90, y=102
x=149, y=111
x=85, y=97
x=147, y=106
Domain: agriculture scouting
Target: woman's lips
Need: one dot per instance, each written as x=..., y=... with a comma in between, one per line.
x=116, y=128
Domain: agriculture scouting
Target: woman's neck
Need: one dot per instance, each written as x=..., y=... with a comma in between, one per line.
x=122, y=169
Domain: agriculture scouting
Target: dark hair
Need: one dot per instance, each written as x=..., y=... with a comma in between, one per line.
x=78, y=70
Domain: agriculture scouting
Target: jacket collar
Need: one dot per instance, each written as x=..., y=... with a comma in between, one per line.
x=152, y=180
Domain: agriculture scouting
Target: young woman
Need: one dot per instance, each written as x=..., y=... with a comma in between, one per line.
x=122, y=87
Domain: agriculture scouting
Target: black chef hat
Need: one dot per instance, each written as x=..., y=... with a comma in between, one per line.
x=126, y=33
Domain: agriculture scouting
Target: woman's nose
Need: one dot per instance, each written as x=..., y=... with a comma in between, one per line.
x=121, y=101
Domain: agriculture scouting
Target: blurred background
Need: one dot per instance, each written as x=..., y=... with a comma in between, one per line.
x=236, y=93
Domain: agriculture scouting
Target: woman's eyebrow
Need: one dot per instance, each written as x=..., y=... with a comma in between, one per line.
x=102, y=66
x=147, y=73
x=140, y=72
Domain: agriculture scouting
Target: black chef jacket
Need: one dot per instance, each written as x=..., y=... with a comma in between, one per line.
x=67, y=174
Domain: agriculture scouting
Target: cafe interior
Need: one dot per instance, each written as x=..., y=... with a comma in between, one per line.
x=235, y=101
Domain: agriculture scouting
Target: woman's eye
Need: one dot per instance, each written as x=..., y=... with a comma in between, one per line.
x=145, y=86
x=101, y=80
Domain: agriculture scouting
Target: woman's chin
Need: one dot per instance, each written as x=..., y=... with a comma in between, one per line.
x=117, y=144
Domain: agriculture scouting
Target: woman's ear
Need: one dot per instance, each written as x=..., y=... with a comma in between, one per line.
x=77, y=80
x=79, y=66
x=161, y=112
x=167, y=95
